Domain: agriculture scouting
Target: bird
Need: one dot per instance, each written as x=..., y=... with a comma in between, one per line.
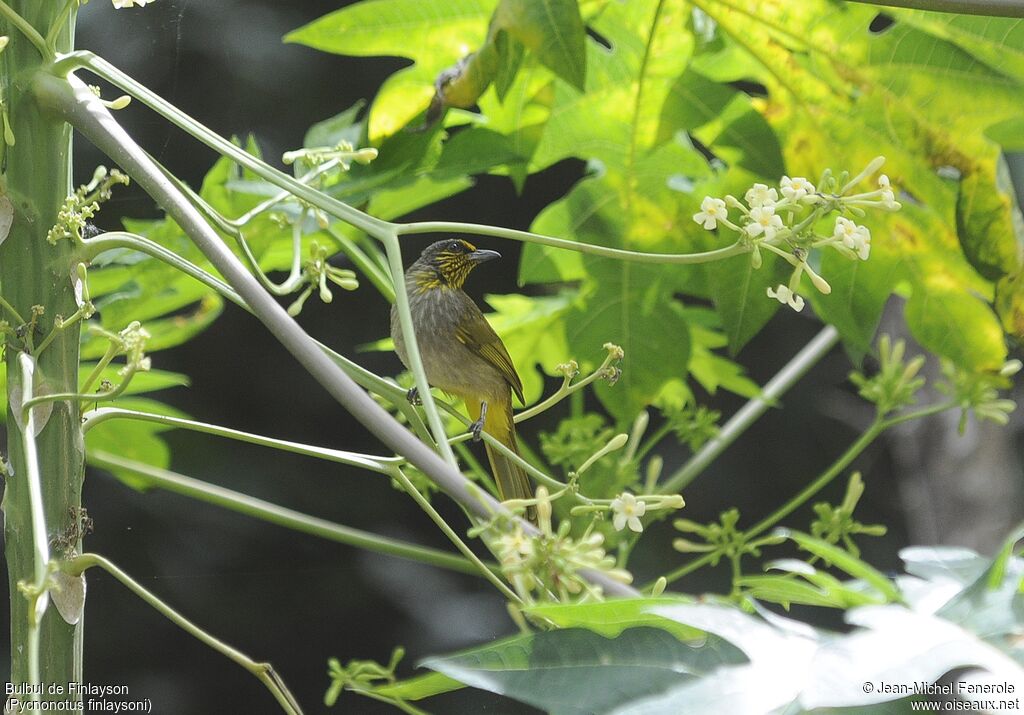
x=461, y=353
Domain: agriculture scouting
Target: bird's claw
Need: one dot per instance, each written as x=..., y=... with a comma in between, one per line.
x=413, y=395
x=476, y=429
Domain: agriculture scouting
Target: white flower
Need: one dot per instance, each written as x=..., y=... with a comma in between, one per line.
x=712, y=211
x=856, y=238
x=626, y=511
x=797, y=188
x=787, y=297
x=514, y=545
x=764, y=220
x=121, y=4
x=888, y=197
x=761, y=195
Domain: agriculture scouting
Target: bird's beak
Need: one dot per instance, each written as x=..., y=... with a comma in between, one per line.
x=483, y=256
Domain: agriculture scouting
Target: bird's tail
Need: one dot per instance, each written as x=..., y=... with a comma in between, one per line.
x=512, y=480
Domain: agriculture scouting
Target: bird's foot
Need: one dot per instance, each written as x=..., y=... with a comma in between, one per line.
x=413, y=396
x=476, y=429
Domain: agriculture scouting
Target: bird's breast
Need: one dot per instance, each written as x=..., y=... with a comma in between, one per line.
x=449, y=364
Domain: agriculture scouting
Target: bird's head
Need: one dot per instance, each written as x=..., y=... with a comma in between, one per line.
x=446, y=264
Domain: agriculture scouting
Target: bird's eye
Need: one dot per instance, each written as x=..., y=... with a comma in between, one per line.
x=455, y=247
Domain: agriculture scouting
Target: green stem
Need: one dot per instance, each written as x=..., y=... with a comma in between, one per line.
x=40, y=541
x=35, y=272
x=92, y=247
x=876, y=428
x=59, y=24
x=105, y=70
x=273, y=201
x=373, y=226
x=111, y=394
x=537, y=474
x=112, y=350
x=264, y=672
x=394, y=253
x=652, y=442
x=367, y=379
x=604, y=251
x=380, y=280
x=57, y=330
x=448, y=531
x=998, y=8
x=919, y=413
x=71, y=100
x=380, y=465
x=796, y=368
x=25, y=28
x=852, y=452
x=215, y=217
x=564, y=390
x=10, y=309
x=288, y=518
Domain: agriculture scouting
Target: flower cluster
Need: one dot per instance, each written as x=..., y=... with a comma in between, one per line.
x=896, y=383
x=978, y=392
x=788, y=226
x=83, y=205
x=133, y=341
x=721, y=539
x=627, y=509
x=316, y=272
x=343, y=152
x=549, y=565
x=122, y=4
x=836, y=523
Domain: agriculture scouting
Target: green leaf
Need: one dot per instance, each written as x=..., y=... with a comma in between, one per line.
x=383, y=27
x=610, y=618
x=815, y=587
x=577, y=672
x=444, y=32
x=420, y=687
x=343, y=126
x=958, y=326
x=553, y=30
x=732, y=128
x=1010, y=304
x=840, y=559
x=937, y=563
x=992, y=605
x=740, y=295
x=988, y=221
x=630, y=306
x=859, y=294
x=477, y=151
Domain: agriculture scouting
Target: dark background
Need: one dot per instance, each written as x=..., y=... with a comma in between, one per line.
x=295, y=600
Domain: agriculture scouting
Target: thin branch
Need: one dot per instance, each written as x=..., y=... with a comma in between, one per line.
x=448, y=531
x=30, y=33
x=373, y=463
x=394, y=254
x=72, y=100
x=371, y=225
x=288, y=518
x=263, y=671
x=527, y=237
x=997, y=8
x=122, y=239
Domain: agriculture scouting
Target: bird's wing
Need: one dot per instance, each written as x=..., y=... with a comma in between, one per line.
x=477, y=335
